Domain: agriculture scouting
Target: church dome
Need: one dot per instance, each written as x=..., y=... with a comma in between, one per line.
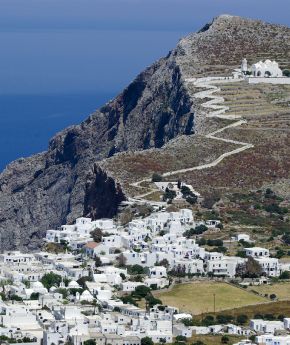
x=73, y=285
x=37, y=285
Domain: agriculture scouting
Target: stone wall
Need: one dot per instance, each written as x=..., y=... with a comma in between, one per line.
x=283, y=80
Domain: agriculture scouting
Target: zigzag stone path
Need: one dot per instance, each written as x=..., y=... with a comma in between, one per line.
x=217, y=110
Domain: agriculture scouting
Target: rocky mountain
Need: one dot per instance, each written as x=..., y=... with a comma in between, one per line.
x=76, y=175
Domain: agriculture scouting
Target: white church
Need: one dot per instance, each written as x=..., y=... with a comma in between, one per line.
x=267, y=69
x=267, y=72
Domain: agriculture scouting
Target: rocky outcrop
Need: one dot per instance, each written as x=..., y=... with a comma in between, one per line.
x=54, y=187
x=65, y=182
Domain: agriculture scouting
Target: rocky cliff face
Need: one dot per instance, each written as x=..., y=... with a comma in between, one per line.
x=65, y=182
x=54, y=187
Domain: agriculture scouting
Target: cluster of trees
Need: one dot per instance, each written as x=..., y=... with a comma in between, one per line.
x=269, y=317
x=217, y=244
x=250, y=269
x=285, y=275
x=141, y=292
x=4, y=338
x=286, y=238
x=97, y=235
x=137, y=270
x=275, y=208
x=180, y=339
x=188, y=195
x=198, y=230
x=156, y=177
x=90, y=342
x=209, y=320
x=121, y=260
x=169, y=195
x=281, y=252
x=51, y=279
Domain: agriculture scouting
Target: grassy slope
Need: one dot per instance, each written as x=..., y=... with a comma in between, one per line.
x=281, y=290
x=213, y=339
x=275, y=308
x=197, y=297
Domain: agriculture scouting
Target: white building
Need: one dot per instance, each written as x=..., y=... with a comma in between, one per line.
x=256, y=252
x=267, y=69
x=270, y=266
x=270, y=339
x=264, y=326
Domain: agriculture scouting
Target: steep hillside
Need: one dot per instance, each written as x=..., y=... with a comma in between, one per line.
x=49, y=189
x=83, y=171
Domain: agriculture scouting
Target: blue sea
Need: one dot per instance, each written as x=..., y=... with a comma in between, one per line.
x=27, y=122
x=62, y=59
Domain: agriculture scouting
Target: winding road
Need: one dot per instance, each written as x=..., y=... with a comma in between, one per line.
x=217, y=110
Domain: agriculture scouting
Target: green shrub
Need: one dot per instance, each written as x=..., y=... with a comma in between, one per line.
x=156, y=177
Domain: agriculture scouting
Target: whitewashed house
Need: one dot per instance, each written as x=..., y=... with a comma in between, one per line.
x=270, y=266
x=270, y=339
x=256, y=252
x=264, y=326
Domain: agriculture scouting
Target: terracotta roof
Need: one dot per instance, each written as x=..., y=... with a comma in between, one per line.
x=91, y=245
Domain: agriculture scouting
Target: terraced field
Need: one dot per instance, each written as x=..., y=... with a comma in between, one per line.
x=198, y=297
x=263, y=109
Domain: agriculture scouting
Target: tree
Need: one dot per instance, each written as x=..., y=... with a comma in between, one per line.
x=128, y=300
x=63, y=292
x=98, y=261
x=225, y=339
x=147, y=341
x=51, y=279
x=200, y=229
x=151, y=300
x=90, y=342
x=169, y=194
x=122, y=275
x=252, y=337
x=285, y=275
x=242, y=319
x=82, y=281
x=97, y=235
x=286, y=238
x=141, y=291
x=121, y=260
x=222, y=319
x=191, y=199
x=273, y=297
x=16, y=298
x=164, y=263
x=208, y=320
x=213, y=243
x=34, y=296
x=250, y=269
x=156, y=177
x=136, y=269
x=180, y=338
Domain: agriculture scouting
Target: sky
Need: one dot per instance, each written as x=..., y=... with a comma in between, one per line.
x=90, y=48
x=100, y=45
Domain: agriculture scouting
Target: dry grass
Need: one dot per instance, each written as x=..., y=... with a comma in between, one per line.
x=274, y=308
x=213, y=339
x=281, y=290
x=198, y=297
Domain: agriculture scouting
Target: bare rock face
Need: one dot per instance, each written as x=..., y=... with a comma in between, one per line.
x=65, y=182
x=54, y=187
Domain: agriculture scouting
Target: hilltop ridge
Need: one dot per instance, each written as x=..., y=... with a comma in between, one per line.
x=158, y=113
